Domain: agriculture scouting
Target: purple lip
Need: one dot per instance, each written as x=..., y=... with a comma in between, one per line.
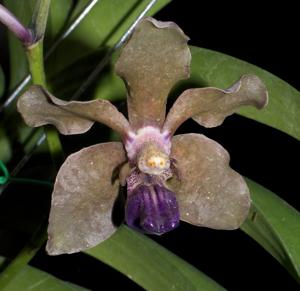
x=152, y=209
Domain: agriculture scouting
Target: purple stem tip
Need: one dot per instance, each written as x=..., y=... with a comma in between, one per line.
x=23, y=33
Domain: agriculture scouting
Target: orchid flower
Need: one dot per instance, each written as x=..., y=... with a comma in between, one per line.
x=169, y=178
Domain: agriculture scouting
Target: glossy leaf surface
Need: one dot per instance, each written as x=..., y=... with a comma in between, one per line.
x=275, y=225
x=36, y=280
x=148, y=264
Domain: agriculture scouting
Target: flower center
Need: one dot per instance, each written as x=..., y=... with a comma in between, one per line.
x=157, y=162
x=150, y=207
x=152, y=160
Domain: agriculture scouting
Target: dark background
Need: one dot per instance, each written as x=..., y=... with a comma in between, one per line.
x=266, y=36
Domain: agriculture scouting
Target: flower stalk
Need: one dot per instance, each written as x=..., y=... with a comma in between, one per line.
x=36, y=67
x=33, y=41
x=35, y=59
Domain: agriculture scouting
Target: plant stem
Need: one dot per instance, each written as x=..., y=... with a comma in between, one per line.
x=36, y=63
x=36, y=67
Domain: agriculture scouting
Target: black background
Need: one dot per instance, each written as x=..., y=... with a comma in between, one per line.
x=266, y=36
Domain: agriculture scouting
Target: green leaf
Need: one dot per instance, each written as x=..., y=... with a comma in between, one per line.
x=40, y=18
x=148, y=264
x=57, y=19
x=210, y=68
x=101, y=28
x=36, y=280
x=276, y=226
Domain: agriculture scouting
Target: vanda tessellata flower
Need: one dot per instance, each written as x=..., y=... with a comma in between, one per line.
x=168, y=178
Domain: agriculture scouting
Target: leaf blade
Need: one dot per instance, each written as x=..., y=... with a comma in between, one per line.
x=148, y=264
x=276, y=226
x=34, y=279
x=101, y=28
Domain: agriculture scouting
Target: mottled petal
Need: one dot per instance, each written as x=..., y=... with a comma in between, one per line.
x=210, y=106
x=83, y=199
x=38, y=107
x=209, y=192
x=153, y=60
x=152, y=209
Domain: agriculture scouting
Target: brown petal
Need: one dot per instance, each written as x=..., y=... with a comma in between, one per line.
x=210, y=193
x=153, y=60
x=210, y=106
x=38, y=107
x=83, y=198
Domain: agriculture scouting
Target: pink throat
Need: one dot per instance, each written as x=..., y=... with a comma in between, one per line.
x=136, y=140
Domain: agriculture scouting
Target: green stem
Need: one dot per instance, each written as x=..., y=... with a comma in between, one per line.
x=36, y=63
x=36, y=67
